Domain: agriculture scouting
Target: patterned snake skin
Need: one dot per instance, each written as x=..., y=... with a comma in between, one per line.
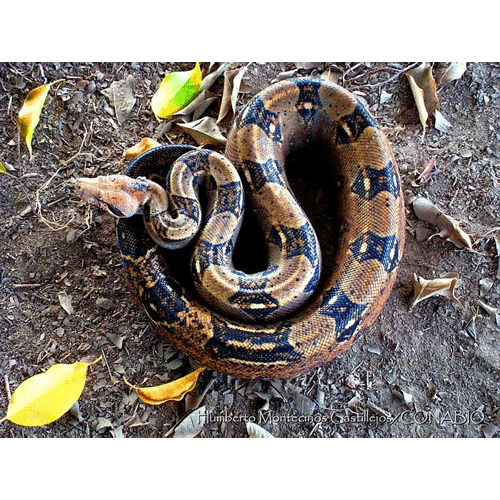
x=277, y=322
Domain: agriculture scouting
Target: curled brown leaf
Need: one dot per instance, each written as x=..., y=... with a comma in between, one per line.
x=232, y=82
x=449, y=227
x=423, y=176
x=141, y=147
x=444, y=286
x=423, y=87
x=449, y=71
x=493, y=312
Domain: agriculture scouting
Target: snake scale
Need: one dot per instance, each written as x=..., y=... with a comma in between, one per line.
x=276, y=322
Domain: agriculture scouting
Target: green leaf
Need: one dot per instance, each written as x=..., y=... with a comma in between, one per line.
x=4, y=169
x=176, y=91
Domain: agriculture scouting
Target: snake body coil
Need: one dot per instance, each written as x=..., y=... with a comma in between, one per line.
x=274, y=323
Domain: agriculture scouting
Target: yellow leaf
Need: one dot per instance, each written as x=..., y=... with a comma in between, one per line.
x=47, y=396
x=29, y=116
x=172, y=391
x=176, y=91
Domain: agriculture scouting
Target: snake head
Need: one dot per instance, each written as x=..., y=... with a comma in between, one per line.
x=120, y=195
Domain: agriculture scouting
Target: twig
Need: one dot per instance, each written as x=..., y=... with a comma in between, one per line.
x=494, y=230
x=69, y=160
x=392, y=78
x=52, y=226
x=26, y=285
x=7, y=387
x=376, y=409
x=56, y=201
x=9, y=395
x=113, y=380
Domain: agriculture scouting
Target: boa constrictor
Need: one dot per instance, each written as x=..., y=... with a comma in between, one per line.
x=277, y=322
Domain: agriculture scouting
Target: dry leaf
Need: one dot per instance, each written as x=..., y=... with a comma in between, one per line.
x=405, y=396
x=444, y=286
x=302, y=403
x=285, y=75
x=485, y=285
x=493, y=312
x=103, y=423
x=210, y=79
x=176, y=91
x=256, y=431
x=121, y=96
x=331, y=75
x=191, y=425
x=449, y=71
x=141, y=147
x=384, y=97
x=489, y=430
x=29, y=116
x=497, y=245
x=204, y=131
x=197, y=107
x=117, y=340
x=172, y=391
x=47, y=396
x=423, y=87
x=232, y=82
x=440, y=122
x=425, y=174
x=307, y=65
x=65, y=301
x=449, y=227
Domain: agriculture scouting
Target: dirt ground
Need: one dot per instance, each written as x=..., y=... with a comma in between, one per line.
x=428, y=371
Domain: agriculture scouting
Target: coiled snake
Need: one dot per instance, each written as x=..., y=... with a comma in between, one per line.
x=276, y=322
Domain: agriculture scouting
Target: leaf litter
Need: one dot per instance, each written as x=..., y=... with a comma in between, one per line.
x=352, y=72
x=424, y=88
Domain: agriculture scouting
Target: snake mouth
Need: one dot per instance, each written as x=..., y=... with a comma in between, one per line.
x=88, y=196
x=110, y=208
x=120, y=195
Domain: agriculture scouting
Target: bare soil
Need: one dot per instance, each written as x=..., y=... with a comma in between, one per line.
x=431, y=370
